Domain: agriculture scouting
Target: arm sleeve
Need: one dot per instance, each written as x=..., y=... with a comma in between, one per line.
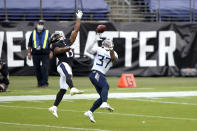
x=68, y=42
x=30, y=44
x=91, y=49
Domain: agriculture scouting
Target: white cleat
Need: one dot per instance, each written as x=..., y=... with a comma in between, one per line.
x=90, y=116
x=53, y=110
x=104, y=105
x=75, y=91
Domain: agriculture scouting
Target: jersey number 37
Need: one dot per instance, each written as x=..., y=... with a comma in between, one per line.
x=101, y=61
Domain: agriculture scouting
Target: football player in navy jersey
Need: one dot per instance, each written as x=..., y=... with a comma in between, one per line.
x=62, y=49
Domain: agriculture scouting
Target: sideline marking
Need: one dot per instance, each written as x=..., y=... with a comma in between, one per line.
x=95, y=96
x=48, y=126
x=120, y=114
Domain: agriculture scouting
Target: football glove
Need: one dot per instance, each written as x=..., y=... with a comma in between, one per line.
x=79, y=14
x=97, y=38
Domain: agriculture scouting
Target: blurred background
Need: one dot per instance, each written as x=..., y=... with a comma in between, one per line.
x=152, y=37
x=156, y=41
x=108, y=10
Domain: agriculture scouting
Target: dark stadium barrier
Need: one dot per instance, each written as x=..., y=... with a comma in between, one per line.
x=144, y=49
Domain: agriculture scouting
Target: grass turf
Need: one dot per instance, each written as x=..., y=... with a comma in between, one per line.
x=137, y=114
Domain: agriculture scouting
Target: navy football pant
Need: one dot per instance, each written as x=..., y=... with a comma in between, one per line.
x=100, y=83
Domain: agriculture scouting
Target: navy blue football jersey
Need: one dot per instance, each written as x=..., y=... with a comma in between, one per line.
x=64, y=57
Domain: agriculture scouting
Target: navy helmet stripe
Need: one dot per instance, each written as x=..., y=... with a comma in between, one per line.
x=64, y=69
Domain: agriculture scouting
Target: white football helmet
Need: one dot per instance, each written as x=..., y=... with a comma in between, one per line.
x=107, y=44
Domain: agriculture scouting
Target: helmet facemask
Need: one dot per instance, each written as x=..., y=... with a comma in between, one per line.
x=107, y=44
x=55, y=37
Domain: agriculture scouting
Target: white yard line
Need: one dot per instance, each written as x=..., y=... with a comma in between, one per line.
x=48, y=126
x=167, y=102
x=114, y=113
x=134, y=88
x=94, y=96
x=151, y=116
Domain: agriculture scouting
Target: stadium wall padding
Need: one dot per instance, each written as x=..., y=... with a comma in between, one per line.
x=144, y=49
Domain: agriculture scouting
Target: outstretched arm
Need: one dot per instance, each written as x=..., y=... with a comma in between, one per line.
x=90, y=48
x=76, y=27
x=58, y=50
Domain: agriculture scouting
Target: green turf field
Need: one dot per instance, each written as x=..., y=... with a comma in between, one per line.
x=131, y=114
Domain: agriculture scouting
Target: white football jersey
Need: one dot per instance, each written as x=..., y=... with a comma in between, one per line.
x=102, y=59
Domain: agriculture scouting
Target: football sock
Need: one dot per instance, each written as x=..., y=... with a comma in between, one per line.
x=96, y=105
x=59, y=96
x=69, y=81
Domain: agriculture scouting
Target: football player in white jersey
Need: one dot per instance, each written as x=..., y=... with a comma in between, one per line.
x=103, y=60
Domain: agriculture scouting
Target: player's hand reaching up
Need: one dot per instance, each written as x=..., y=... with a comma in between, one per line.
x=79, y=14
x=97, y=38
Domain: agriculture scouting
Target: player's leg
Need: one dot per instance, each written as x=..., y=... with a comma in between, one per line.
x=105, y=88
x=96, y=105
x=63, y=88
x=93, y=78
x=37, y=67
x=98, y=102
x=58, y=99
x=104, y=93
x=68, y=73
x=62, y=91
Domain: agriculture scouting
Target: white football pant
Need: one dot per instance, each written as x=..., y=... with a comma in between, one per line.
x=64, y=70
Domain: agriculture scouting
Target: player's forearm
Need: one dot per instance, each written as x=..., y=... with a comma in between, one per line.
x=112, y=54
x=61, y=50
x=75, y=31
x=29, y=50
x=77, y=25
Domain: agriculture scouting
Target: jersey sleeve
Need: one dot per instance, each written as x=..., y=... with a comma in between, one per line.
x=68, y=42
x=93, y=50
